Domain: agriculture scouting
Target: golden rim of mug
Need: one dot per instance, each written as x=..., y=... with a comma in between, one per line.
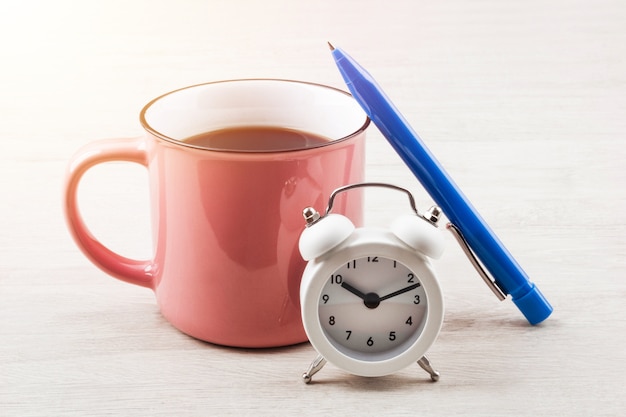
x=157, y=134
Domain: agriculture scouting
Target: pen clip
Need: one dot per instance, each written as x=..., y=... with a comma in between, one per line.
x=491, y=283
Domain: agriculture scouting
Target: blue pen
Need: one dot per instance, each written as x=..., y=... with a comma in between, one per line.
x=507, y=274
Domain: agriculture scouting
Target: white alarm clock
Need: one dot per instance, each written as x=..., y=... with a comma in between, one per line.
x=370, y=302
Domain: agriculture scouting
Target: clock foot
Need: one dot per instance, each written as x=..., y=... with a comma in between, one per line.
x=424, y=363
x=314, y=368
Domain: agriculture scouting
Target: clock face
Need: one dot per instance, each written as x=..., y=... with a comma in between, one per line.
x=372, y=308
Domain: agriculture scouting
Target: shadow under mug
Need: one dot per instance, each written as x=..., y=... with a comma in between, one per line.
x=226, y=267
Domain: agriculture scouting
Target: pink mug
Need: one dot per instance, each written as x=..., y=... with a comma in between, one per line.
x=226, y=222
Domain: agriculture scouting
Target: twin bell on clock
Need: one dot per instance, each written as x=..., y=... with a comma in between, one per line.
x=370, y=302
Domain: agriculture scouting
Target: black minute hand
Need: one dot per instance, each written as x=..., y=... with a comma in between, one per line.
x=402, y=291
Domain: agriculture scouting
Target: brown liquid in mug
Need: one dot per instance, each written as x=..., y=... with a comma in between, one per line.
x=257, y=139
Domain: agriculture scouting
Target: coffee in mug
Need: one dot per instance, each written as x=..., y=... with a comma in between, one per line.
x=257, y=139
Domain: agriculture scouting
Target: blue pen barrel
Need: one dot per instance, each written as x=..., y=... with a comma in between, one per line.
x=508, y=275
x=488, y=249
x=534, y=306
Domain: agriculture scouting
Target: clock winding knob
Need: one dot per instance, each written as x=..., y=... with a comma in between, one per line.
x=311, y=216
x=432, y=214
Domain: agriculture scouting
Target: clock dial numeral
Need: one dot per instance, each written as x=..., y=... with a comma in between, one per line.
x=409, y=321
x=392, y=336
x=351, y=264
x=336, y=279
x=349, y=332
x=411, y=278
x=416, y=299
x=325, y=298
x=331, y=320
x=372, y=259
x=370, y=342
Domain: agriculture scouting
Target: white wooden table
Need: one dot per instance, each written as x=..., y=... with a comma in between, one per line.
x=523, y=102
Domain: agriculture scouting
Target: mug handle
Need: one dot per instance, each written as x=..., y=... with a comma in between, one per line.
x=126, y=150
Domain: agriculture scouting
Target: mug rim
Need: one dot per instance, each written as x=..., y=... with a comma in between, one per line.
x=162, y=136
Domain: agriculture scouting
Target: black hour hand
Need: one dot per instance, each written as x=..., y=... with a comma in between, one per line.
x=353, y=290
x=371, y=300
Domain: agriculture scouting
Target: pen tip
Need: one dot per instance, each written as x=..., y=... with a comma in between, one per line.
x=330, y=45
